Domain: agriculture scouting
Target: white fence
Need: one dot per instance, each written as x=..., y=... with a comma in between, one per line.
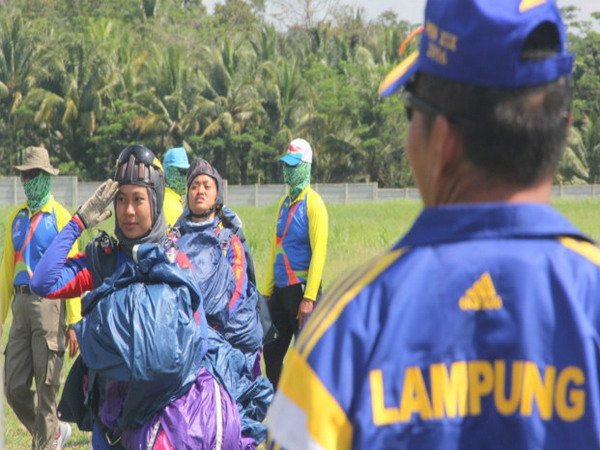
x=71, y=192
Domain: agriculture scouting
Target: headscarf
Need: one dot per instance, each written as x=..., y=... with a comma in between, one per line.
x=202, y=167
x=156, y=233
x=296, y=177
x=37, y=190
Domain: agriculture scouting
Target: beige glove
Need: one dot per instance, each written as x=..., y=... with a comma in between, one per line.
x=94, y=211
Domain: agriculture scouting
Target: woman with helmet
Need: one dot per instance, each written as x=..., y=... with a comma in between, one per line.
x=211, y=237
x=137, y=194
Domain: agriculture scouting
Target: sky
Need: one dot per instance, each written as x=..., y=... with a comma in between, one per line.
x=412, y=10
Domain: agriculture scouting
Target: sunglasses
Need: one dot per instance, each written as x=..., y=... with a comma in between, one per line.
x=412, y=102
x=30, y=174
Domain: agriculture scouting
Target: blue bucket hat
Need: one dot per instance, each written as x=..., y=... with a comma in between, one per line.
x=176, y=157
x=479, y=42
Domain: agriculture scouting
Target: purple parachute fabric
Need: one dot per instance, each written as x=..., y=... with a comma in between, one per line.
x=193, y=421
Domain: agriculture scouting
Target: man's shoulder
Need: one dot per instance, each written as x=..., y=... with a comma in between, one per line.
x=314, y=200
x=589, y=251
x=16, y=210
x=364, y=287
x=310, y=192
x=375, y=271
x=55, y=205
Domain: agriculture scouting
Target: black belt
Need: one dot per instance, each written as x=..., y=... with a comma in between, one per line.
x=23, y=289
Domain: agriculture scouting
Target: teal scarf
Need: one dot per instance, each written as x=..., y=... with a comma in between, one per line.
x=297, y=178
x=175, y=180
x=37, y=190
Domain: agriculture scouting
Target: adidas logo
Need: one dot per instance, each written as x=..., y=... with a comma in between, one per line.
x=481, y=295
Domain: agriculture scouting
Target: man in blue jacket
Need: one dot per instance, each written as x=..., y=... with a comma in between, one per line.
x=480, y=328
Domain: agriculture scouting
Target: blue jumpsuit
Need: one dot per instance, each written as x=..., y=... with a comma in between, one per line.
x=478, y=330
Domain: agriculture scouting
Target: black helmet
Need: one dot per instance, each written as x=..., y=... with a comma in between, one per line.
x=138, y=165
x=203, y=167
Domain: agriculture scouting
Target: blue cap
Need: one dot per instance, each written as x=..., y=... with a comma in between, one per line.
x=479, y=42
x=176, y=157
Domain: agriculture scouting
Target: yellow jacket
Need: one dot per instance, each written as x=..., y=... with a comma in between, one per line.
x=32, y=232
x=172, y=206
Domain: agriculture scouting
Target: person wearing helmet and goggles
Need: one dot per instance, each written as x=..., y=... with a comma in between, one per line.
x=211, y=236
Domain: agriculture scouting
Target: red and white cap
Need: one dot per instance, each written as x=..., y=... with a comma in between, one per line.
x=297, y=151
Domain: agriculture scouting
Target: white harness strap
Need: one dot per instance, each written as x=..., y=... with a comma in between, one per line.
x=153, y=435
x=219, y=419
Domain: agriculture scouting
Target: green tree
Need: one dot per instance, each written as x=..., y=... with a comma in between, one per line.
x=18, y=52
x=582, y=156
x=232, y=105
x=77, y=83
x=170, y=101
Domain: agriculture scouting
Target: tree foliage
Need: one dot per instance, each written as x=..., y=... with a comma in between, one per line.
x=87, y=77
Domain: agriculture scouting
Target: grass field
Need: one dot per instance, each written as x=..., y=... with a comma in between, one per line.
x=357, y=232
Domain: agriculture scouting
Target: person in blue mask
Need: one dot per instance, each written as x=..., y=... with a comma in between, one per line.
x=479, y=328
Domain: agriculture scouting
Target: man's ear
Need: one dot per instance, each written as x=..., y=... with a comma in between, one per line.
x=447, y=145
x=570, y=118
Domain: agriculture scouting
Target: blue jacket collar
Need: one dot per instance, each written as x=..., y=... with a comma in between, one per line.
x=452, y=223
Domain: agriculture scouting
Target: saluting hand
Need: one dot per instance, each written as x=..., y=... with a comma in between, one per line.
x=94, y=211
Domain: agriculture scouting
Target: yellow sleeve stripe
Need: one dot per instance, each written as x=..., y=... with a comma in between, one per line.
x=328, y=301
x=347, y=296
x=586, y=249
x=327, y=422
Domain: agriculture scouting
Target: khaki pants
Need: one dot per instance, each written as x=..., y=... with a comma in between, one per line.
x=35, y=350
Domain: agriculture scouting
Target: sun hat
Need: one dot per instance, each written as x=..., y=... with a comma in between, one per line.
x=36, y=158
x=479, y=42
x=176, y=157
x=297, y=151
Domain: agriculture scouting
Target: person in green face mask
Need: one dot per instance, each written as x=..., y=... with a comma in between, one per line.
x=294, y=272
x=175, y=165
x=38, y=334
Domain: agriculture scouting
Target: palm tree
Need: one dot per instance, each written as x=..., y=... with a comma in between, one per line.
x=582, y=156
x=74, y=87
x=18, y=53
x=231, y=104
x=170, y=102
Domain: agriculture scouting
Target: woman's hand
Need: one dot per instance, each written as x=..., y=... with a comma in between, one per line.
x=71, y=342
x=304, y=310
x=94, y=211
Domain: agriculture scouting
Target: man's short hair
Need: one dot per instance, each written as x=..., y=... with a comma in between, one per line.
x=517, y=135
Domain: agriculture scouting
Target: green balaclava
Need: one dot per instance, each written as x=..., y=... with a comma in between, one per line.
x=37, y=190
x=175, y=180
x=296, y=177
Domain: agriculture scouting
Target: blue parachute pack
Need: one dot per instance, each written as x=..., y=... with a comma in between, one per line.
x=139, y=327
x=145, y=325
x=241, y=328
